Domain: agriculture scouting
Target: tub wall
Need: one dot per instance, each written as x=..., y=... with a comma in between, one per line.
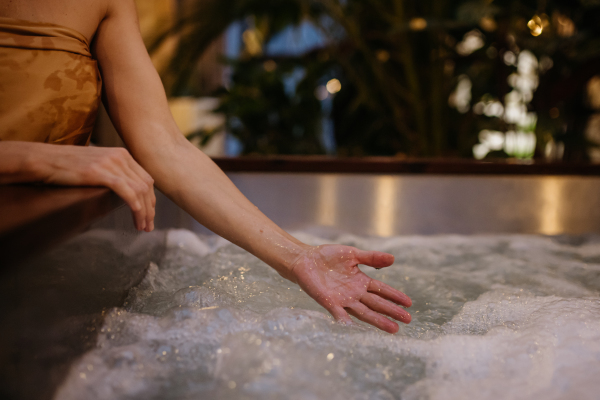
x=53, y=304
x=386, y=205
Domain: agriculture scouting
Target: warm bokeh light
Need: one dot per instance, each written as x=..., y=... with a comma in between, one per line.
x=417, y=24
x=535, y=26
x=488, y=24
x=564, y=25
x=593, y=92
x=270, y=65
x=382, y=55
x=253, y=41
x=472, y=41
x=334, y=86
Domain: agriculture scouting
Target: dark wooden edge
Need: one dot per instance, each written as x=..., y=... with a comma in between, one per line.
x=41, y=217
x=391, y=165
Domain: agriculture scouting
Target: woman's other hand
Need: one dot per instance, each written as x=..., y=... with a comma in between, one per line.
x=69, y=165
x=330, y=275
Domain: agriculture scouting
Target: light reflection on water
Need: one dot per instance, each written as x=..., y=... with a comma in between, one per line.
x=493, y=316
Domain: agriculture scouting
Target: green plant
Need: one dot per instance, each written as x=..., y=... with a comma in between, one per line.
x=399, y=62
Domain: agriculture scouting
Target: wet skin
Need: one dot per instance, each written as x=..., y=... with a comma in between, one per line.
x=330, y=275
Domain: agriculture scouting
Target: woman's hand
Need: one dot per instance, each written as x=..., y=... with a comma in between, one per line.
x=112, y=167
x=330, y=275
x=82, y=166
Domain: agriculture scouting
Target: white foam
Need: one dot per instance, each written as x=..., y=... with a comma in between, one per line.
x=493, y=317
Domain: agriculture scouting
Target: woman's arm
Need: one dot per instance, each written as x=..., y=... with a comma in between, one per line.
x=81, y=166
x=136, y=102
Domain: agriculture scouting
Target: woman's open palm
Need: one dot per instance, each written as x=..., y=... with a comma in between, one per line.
x=330, y=275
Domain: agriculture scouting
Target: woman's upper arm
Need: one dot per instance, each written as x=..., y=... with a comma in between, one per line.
x=133, y=92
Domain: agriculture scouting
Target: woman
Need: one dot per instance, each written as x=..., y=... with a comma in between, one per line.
x=49, y=91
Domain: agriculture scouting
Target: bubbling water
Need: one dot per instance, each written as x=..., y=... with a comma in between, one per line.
x=511, y=316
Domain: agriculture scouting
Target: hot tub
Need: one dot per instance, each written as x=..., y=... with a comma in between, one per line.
x=502, y=268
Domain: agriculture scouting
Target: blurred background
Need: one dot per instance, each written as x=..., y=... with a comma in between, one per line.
x=476, y=79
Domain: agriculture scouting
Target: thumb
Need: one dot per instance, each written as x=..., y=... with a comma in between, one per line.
x=375, y=259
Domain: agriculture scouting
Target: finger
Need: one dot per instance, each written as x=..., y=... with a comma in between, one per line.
x=150, y=210
x=382, y=306
x=142, y=215
x=340, y=315
x=149, y=201
x=125, y=165
x=149, y=196
x=375, y=259
x=362, y=312
x=389, y=293
x=126, y=192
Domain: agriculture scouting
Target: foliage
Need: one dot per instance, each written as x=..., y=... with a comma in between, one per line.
x=264, y=117
x=399, y=63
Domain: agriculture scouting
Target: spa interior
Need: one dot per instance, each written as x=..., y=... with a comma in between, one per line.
x=461, y=137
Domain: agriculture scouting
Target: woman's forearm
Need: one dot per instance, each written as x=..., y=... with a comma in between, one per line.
x=16, y=162
x=195, y=183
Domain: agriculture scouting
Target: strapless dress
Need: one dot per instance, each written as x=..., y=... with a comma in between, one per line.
x=50, y=85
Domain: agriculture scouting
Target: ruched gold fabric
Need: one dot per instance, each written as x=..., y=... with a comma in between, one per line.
x=50, y=85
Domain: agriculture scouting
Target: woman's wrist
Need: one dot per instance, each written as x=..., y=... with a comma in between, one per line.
x=285, y=254
x=19, y=162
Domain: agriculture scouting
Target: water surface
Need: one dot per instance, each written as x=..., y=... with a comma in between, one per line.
x=513, y=316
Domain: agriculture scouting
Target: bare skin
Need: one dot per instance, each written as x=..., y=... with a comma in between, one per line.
x=160, y=154
x=330, y=275
x=82, y=166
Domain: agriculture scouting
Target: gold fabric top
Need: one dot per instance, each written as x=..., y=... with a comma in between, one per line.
x=50, y=85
